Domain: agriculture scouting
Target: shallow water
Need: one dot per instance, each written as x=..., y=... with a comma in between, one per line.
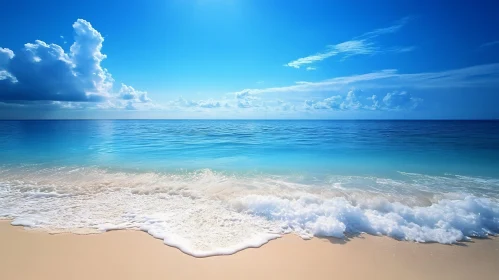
x=215, y=187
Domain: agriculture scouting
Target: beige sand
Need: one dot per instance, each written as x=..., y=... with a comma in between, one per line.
x=26, y=254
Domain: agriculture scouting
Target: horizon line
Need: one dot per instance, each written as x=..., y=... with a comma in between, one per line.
x=199, y=119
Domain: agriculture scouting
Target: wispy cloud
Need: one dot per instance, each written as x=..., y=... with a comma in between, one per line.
x=361, y=45
x=401, y=49
x=489, y=44
x=310, y=68
x=348, y=48
x=386, y=30
x=63, y=39
x=475, y=76
x=329, y=84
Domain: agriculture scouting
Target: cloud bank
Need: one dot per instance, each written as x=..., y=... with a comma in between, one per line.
x=45, y=72
x=358, y=100
x=197, y=104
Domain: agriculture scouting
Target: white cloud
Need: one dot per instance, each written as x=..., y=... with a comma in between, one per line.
x=209, y=104
x=130, y=106
x=45, y=72
x=325, y=85
x=5, y=56
x=247, y=99
x=387, y=30
x=310, y=68
x=361, y=45
x=284, y=106
x=336, y=102
x=348, y=48
x=351, y=101
x=131, y=94
x=196, y=104
x=330, y=103
x=63, y=40
x=485, y=75
x=401, y=49
x=86, y=56
x=4, y=75
x=476, y=76
x=400, y=100
x=359, y=100
x=241, y=100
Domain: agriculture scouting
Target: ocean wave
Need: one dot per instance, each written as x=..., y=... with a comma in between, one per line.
x=206, y=213
x=447, y=221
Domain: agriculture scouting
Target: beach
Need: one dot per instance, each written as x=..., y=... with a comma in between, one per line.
x=129, y=254
x=245, y=200
x=215, y=139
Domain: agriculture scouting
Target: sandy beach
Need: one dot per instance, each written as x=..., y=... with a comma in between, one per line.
x=28, y=254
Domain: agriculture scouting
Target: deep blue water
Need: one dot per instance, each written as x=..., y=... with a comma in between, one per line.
x=301, y=147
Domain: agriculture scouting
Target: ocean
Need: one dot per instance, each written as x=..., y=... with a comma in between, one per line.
x=212, y=187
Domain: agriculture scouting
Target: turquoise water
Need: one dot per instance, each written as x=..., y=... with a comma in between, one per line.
x=215, y=187
x=314, y=147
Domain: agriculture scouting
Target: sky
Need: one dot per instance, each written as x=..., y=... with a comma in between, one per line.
x=249, y=59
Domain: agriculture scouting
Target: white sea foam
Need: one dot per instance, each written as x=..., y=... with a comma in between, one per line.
x=446, y=221
x=207, y=213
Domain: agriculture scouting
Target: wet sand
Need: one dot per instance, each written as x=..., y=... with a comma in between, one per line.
x=28, y=254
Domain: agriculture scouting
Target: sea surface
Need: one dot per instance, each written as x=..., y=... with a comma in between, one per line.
x=216, y=187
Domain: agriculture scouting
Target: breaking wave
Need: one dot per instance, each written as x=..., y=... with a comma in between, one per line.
x=206, y=213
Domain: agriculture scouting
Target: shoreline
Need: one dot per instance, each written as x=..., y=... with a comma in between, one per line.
x=131, y=254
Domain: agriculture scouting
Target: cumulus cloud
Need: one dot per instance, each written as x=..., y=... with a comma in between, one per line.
x=130, y=106
x=236, y=102
x=5, y=56
x=86, y=56
x=330, y=103
x=246, y=99
x=361, y=45
x=400, y=100
x=199, y=104
x=241, y=100
x=284, y=106
x=45, y=72
x=358, y=100
x=131, y=94
x=4, y=75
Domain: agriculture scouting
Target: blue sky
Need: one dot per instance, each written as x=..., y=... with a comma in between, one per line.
x=249, y=59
